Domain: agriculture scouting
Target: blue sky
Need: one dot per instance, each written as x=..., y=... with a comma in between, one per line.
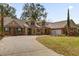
x=56, y=11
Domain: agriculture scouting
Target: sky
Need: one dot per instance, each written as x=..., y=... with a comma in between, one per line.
x=56, y=11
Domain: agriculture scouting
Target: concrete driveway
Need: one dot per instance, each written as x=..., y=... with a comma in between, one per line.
x=24, y=46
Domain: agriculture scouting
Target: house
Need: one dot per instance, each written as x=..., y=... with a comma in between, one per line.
x=21, y=27
x=59, y=28
x=67, y=27
x=34, y=29
x=14, y=26
x=37, y=29
x=46, y=29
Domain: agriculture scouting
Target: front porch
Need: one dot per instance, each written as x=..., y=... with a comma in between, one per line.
x=38, y=31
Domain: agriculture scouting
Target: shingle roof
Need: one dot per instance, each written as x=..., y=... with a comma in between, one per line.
x=55, y=25
x=34, y=26
x=7, y=20
x=21, y=23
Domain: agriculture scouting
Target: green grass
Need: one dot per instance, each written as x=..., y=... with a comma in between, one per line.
x=68, y=46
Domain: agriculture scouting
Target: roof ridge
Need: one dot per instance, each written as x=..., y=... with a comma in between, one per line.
x=59, y=21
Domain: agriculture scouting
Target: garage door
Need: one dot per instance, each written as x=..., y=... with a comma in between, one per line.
x=56, y=32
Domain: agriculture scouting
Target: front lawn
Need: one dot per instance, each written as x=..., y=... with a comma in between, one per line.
x=68, y=46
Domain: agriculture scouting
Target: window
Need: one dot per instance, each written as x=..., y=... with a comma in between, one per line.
x=19, y=29
x=6, y=29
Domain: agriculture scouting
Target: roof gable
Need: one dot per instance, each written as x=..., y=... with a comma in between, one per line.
x=9, y=22
x=13, y=24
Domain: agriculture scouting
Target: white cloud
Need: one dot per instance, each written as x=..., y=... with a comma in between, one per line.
x=70, y=7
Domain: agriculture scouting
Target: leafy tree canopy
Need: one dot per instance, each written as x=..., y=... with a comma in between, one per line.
x=33, y=12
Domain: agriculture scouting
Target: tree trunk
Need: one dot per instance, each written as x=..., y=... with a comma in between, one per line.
x=2, y=23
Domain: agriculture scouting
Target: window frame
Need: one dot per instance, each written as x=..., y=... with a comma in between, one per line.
x=6, y=29
x=19, y=30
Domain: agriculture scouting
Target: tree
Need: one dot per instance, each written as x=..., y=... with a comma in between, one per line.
x=33, y=12
x=68, y=23
x=5, y=10
x=68, y=19
x=43, y=22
